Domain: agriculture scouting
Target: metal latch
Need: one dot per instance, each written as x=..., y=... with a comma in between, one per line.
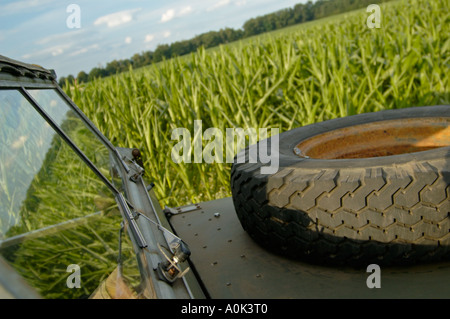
x=138, y=165
x=169, y=270
x=169, y=211
x=135, y=177
x=177, y=253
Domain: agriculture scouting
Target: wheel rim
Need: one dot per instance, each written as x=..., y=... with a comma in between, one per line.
x=376, y=139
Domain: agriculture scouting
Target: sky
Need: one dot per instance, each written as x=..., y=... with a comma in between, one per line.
x=78, y=35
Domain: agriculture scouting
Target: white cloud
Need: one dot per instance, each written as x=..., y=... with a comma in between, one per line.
x=52, y=51
x=128, y=40
x=117, y=18
x=168, y=15
x=185, y=11
x=20, y=142
x=19, y=7
x=57, y=51
x=85, y=49
x=149, y=38
x=59, y=37
x=166, y=34
x=219, y=4
x=175, y=13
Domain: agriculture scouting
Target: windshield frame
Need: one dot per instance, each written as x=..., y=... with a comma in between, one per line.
x=11, y=82
x=67, y=139
x=133, y=198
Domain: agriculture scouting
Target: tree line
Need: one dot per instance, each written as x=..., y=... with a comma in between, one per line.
x=300, y=13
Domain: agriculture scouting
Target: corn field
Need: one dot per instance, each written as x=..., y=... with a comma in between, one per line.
x=290, y=78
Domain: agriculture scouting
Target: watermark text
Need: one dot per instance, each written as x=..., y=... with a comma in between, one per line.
x=235, y=140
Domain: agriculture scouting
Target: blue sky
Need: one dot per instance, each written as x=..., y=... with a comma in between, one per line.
x=36, y=31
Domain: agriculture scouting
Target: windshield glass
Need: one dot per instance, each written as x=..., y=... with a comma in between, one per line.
x=55, y=213
x=72, y=124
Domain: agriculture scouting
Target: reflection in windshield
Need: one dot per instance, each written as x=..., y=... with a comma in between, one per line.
x=54, y=211
x=67, y=119
x=24, y=142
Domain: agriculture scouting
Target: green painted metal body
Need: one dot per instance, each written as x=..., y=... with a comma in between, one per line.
x=224, y=261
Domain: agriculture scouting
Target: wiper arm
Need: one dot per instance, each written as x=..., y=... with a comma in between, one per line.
x=126, y=212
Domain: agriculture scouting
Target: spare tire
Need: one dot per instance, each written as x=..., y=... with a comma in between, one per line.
x=368, y=188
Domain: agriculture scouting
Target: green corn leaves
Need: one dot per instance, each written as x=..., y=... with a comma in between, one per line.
x=292, y=77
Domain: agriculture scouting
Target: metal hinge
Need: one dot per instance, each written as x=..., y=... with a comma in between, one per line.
x=176, y=254
x=169, y=211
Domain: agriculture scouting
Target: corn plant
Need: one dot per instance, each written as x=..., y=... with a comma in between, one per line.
x=289, y=78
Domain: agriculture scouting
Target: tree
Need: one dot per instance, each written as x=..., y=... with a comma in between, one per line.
x=70, y=79
x=162, y=51
x=298, y=14
x=82, y=77
x=97, y=73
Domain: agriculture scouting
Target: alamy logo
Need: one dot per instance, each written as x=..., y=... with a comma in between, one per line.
x=374, y=280
x=374, y=20
x=73, y=21
x=213, y=150
x=74, y=280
